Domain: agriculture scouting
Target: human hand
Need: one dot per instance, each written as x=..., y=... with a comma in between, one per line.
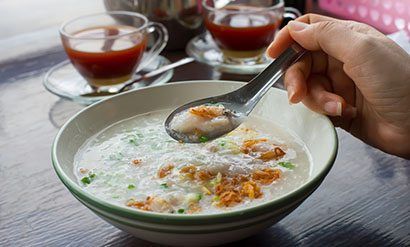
x=355, y=75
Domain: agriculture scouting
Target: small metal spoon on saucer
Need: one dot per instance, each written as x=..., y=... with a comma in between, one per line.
x=139, y=77
x=241, y=102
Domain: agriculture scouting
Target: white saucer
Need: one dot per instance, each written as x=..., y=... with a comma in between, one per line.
x=204, y=50
x=64, y=80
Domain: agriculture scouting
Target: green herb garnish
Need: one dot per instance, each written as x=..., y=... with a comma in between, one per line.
x=164, y=186
x=203, y=139
x=181, y=211
x=131, y=186
x=287, y=165
x=133, y=141
x=86, y=180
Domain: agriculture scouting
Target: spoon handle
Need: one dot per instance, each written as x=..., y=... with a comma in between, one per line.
x=259, y=86
x=156, y=72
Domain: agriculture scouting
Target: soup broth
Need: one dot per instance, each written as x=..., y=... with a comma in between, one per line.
x=134, y=163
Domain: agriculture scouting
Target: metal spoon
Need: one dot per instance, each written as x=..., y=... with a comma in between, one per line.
x=139, y=77
x=241, y=101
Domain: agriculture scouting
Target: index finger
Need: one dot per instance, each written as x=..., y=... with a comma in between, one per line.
x=283, y=39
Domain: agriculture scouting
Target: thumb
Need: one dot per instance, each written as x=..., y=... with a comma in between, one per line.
x=333, y=37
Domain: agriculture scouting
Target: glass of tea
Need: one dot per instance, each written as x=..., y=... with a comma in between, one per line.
x=108, y=48
x=243, y=29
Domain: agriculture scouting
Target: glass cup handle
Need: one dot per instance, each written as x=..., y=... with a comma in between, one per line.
x=291, y=13
x=158, y=46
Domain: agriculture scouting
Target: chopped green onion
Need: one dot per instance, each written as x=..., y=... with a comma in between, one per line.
x=133, y=141
x=181, y=211
x=287, y=165
x=164, y=186
x=203, y=139
x=131, y=186
x=199, y=196
x=86, y=180
x=215, y=198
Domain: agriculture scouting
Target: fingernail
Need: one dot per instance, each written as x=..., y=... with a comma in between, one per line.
x=291, y=93
x=297, y=26
x=269, y=48
x=333, y=108
x=350, y=111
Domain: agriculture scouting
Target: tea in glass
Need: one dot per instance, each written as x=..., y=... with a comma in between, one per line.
x=243, y=29
x=108, y=48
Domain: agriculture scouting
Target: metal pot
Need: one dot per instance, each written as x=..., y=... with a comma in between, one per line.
x=182, y=18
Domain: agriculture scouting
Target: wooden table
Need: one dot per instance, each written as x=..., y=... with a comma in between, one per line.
x=363, y=200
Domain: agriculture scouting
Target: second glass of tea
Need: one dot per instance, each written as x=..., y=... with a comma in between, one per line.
x=243, y=29
x=108, y=48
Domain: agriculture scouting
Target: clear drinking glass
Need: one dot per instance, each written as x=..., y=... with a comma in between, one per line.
x=243, y=29
x=108, y=48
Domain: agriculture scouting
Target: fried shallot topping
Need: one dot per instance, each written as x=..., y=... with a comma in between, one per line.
x=165, y=170
x=273, y=152
x=266, y=176
x=251, y=190
x=143, y=205
x=194, y=208
x=207, y=111
x=188, y=171
x=191, y=172
x=232, y=190
x=248, y=146
x=229, y=198
x=204, y=175
x=228, y=190
x=136, y=161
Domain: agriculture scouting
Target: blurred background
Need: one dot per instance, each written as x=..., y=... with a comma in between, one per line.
x=26, y=18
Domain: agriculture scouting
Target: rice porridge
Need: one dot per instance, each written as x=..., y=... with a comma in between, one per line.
x=134, y=163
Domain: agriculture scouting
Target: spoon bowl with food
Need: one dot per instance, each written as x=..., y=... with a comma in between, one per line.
x=203, y=120
x=207, y=119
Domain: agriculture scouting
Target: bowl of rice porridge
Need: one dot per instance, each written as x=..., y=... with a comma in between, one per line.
x=117, y=159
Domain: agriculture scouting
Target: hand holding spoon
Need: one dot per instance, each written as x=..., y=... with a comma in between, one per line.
x=237, y=104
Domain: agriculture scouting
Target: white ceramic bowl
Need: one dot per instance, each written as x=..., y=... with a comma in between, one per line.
x=315, y=130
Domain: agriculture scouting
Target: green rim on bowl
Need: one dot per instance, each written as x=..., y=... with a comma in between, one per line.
x=295, y=195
